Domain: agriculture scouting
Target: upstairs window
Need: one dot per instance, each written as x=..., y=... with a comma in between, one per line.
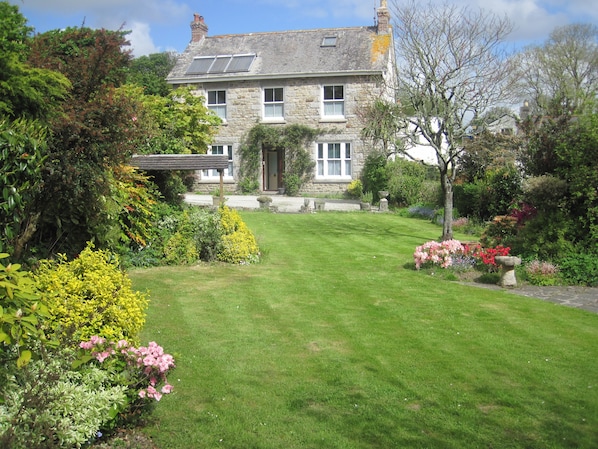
x=334, y=101
x=273, y=103
x=334, y=160
x=217, y=102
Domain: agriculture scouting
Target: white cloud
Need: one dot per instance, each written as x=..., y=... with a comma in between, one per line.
x=141, y=40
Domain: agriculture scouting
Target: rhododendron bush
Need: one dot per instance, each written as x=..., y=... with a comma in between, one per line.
x=446, y=253
x=143, y=368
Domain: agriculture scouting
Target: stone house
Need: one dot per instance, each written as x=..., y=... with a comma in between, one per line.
x=318, y=78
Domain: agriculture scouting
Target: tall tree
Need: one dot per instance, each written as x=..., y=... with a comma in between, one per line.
x=151, y=71
x=452, y=68
x=25, y=92
x=560, y=76
x=96, y=132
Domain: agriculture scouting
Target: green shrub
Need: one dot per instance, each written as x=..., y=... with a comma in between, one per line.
x=405, y=180
x=292, y=183
x=580, y=269
x=542, y=273
x=21, y=313
x=47, y=405
x=238, y=243
x=179, y=250
x=373, y=176
x=90, y=295
x=355, y=189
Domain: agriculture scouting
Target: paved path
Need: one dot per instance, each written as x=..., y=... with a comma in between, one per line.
x=572, y=296
x=281, y=202
x=581, y=297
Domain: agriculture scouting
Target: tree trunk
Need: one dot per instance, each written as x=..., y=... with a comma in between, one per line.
x=447, y=191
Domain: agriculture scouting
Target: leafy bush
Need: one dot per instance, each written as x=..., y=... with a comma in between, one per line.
x=292, y=183
x=542, y=273
x=500, y=231
x=405, y=180
x=373, y=176
x=238, y=243
x=580, y=269
x=355, y=189
x=48, y=405
x=89, y=296
x=179, y=250
x=21, y=313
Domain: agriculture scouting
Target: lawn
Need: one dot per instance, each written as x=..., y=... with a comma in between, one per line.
x=335, y=341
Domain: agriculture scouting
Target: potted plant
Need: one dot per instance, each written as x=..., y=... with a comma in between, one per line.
x=264, y=201
x=366, y=201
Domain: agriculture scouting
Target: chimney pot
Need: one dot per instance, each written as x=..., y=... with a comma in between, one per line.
x=199, y=29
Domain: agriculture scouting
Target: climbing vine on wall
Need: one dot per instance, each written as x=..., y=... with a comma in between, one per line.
x=293, y=139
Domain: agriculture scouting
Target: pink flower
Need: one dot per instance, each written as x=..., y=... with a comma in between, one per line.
x=167, y=389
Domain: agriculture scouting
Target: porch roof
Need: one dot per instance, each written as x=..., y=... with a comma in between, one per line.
x=179, y=161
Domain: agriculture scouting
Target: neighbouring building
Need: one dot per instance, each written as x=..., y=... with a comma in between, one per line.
x=319, y=78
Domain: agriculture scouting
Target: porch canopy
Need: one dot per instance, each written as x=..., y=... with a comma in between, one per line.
x=182, y=162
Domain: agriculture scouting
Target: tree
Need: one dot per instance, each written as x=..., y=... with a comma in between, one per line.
x=451, y=69
x=25, y=92
x=95, y=133
x=381, y=121
x=560, y=76
x=151, y=71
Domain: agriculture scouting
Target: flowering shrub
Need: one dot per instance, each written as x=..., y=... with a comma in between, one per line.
x=452, y=253
x=542, y=273
x=142, y=369
x=437, y=253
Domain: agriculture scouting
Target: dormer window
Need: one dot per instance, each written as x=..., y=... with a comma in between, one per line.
x=329, y=41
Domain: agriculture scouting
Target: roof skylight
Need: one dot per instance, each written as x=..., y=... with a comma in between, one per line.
x=329, y=41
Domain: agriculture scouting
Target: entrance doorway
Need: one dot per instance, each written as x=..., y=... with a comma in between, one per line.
x=273, y=169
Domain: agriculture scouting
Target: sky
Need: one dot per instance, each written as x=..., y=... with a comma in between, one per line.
x=163, y=25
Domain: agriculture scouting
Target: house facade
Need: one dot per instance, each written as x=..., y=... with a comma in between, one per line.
x=316, y=78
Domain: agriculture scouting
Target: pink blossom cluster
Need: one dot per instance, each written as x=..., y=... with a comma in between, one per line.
x=542, y=268
x=437, y=253
x=97, y=347
x=149, y=363
x=155, y=364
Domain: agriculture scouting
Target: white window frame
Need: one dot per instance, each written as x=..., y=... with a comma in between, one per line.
x=334, y=160
x=273, y=109
x=228, y=172
x=333, y=105
x=215, y=104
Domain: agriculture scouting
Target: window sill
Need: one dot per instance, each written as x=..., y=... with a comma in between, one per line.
x=215, y=179
x=333, y=119
x=271, y=120
x=334, y=179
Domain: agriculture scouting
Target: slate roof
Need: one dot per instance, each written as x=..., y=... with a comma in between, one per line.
x=358, y=50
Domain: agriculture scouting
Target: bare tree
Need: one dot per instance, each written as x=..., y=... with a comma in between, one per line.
x=561, y=75
x=452, y=68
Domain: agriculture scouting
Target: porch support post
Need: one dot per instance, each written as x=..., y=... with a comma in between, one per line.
x=221, y=173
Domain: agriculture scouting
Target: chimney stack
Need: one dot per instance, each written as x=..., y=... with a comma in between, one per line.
x=199, y=29
x=383, y=18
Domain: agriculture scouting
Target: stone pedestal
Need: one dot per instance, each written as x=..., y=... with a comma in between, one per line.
x=383, y=205
x=507, y=265
x=319, y=205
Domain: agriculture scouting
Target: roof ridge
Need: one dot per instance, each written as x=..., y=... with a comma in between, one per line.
x=291, y=31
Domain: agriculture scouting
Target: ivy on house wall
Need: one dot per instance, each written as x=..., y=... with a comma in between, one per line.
x=294, y=140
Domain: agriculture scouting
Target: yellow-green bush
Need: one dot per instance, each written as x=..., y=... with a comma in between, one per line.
x=238, y=242
x=90, y=295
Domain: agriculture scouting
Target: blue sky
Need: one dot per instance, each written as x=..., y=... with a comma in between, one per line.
x=163, y=25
